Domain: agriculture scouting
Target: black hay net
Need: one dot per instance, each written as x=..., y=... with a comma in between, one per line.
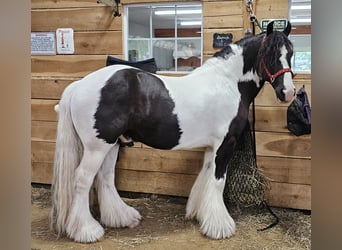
x=245, y=184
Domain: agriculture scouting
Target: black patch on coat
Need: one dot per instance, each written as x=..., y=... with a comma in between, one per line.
x=226, y=51
x=137, y=104
x=224, y=153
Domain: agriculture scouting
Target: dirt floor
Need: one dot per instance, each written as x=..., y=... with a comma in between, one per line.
x=163, y=227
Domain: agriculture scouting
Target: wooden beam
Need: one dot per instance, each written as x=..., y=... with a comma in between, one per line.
x=67, y=65
x=43, y=131
x=289, y=195
x=286, y=170
x=154, y=182
x=49, y=87
x=80, y=19
x=235, y=21
x=43, y=110
x=98, y=43
x=222, y=8
x=54, y=4
x=283, y=145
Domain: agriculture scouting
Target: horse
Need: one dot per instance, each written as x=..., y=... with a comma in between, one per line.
x=206, y=108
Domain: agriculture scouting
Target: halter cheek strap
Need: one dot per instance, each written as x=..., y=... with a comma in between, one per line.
x=273, y=77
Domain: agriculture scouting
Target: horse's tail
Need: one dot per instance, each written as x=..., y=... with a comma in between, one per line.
x=67, y=157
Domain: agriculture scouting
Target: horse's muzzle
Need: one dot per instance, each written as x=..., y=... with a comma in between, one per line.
x=287, y=94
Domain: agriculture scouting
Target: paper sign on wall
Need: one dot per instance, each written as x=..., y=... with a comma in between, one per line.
x=65, y=41
x=43, y=43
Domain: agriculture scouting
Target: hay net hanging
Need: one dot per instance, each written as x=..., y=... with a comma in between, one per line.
x=245, y=184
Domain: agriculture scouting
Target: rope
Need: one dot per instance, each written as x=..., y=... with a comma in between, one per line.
x=254, y=21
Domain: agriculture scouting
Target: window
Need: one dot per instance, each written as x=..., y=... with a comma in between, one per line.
x=171, y=33
x=300, y=18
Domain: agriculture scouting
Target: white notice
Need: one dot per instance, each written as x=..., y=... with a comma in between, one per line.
x=65, y=41
x=43, y=43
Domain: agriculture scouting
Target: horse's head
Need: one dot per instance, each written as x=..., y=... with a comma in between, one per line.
x=275, y=62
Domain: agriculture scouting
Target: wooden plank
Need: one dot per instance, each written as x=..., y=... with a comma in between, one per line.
x=270, y=119
x=286, y=170
x=279, y=194
x=234, y=21
x=42, y=152
x=49, y=87
x=43, y=131
x=152, y=1
x=165, y=161
x=50, y=4
x=289, y=195
x=208, y=38
x=222, y=8
x=43, y=110
x=271, y=9
x=267, y=96
x=98, y=42
x=283, y=145
x=67, y=65
x=154, y=182
x=80, y=19
x=41, y=172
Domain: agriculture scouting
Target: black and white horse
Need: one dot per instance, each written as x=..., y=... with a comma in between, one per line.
x=207, y=108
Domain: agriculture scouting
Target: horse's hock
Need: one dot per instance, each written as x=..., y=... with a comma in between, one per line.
x=284, y=158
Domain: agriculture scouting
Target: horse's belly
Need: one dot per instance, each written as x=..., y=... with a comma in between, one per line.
x=206, y=127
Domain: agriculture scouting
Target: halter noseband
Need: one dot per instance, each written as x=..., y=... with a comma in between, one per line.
x=273, y=77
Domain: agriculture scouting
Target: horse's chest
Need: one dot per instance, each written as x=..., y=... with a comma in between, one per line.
x=205, y=115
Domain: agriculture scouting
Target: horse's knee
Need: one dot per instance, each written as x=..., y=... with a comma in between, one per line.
x=223, y=155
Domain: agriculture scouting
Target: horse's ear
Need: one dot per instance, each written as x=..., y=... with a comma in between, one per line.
x=288, y=28
x=270, y=28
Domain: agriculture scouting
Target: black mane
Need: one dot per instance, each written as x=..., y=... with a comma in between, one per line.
x=251, y=49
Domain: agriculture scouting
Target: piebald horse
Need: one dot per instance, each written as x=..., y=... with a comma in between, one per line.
x=206, y=108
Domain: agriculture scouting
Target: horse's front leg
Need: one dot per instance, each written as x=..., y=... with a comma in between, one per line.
x=206, y=197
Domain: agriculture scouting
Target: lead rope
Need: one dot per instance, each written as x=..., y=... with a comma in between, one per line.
x=254, y=21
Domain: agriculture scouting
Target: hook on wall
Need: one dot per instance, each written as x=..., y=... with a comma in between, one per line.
x=112, y=3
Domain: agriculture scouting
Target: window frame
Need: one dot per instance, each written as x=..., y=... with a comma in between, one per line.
x=298, y=30
x=152, y=39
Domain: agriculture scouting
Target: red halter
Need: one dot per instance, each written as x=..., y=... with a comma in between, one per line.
x=273, y=77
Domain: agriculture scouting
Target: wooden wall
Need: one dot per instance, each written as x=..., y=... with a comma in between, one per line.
x=284, y=158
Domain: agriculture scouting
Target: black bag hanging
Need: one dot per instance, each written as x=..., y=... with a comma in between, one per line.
x=299, y=114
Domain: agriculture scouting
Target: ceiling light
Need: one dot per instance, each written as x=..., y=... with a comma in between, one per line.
x=179, y=12
x=301, y=7
x=301, y=20
x=189, y=23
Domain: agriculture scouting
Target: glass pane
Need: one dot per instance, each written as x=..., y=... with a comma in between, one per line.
x=163, y=50
x=139, y=49
x=301, y=61
x=170, y=33
x=188, y=54
x=139, y=22
x=163, y=21
x=189, y=21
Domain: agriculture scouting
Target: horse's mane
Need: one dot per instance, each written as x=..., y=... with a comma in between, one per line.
x=271, y=45
x=226, y=50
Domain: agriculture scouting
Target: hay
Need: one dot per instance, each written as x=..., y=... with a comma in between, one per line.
x=164, y=227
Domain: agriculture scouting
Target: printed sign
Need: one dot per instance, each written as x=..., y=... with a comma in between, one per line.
x=43, y=43
x=65, y=41
x=279, y=24
x=222, y=40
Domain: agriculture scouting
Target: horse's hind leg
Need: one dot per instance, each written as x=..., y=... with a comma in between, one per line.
x=114, y=211
x=81, y=226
